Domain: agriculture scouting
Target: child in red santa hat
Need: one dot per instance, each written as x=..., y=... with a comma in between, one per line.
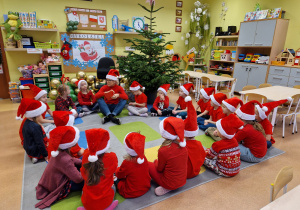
x=196, y=153
x=214, y=111
x=261, y=116
x=97, y=170
x=224, y=156
x=254, y=145
x=133, y=174
x=204, y=102
x=169, y=171
x=35, y=141
x=139, y=106
x=86, y=97
x=61, y=175
x=161, y=103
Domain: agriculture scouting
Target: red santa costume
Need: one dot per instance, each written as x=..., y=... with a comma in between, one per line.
x=232, y=103
x=133, y=175
x=224, y=156
x=101, y=195
x=160, y=104
x=206, y=95
x=196, y=153
x=140, y=98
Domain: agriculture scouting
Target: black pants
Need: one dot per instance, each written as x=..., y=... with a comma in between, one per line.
x=165, y=112
x=204, y=116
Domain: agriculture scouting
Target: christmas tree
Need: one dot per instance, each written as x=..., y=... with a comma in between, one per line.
x=147, y=64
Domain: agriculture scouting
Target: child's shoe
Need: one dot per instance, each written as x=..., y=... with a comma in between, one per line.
x=152, y=114
x=161, y=191
x=144, y=115
x=105, y=120
x=116, y=120
x=34, y=160
x=81, y=114
x=130, y=114
x=178, y=116
x=113, y=205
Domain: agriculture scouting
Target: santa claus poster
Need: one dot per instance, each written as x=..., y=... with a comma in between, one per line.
x=87, y=50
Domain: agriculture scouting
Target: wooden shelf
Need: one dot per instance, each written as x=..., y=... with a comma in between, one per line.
x=249, y=63
x=227, y=37
x=125, y=32
x=192, y=64
x=20, y=49
x=220, y=69
x=222, y=61
x=40, y=75
x=54, y=63
x=35, y=29
x=227, y=46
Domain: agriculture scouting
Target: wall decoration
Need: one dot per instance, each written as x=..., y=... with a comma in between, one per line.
x=138, y=23
x=178, y=20
x=177, y=28
x=115, y=23
x=86, y=51
x=178, y=12
x=179, y=3
x=224, y=11
x=88, y=19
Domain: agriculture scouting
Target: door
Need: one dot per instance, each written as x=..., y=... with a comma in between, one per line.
x=241, y=74
x=247, y=34
x=257, y=74
x=265, y=33
x=4, y=75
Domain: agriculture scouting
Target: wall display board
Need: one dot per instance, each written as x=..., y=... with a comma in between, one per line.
x=88, y=19
x=86, y=50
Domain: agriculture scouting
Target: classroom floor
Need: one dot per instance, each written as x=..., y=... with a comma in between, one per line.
x=250, y=189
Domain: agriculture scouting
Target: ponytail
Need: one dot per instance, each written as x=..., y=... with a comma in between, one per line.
x=94, y=171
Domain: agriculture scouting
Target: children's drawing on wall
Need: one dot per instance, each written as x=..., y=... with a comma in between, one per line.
x=88, y=51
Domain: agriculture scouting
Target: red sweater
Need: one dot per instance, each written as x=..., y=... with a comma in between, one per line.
x=159, y=104
x=118, y=89
x=227, y=153
x=134, y=178
x=266, y=124
x=101, y=195
x=140, y=99
x=196, y=157
x=203, y=106
x=172, y=163
x=181, y=103
x=85, y=99
x=252, y=139
x=216, y=114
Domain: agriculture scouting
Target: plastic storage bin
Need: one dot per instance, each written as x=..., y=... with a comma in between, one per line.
x=25, y=81
x=42, y=85
x=54, y=73
x=41, y=79
x=54, y=67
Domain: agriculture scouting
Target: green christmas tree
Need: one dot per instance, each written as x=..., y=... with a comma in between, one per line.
x=147, y=64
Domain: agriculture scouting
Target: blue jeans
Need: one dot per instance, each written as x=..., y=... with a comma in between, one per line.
x=247, y=156
x=114, y=109
x=181, y=114
x=200, y=121
x=269, y=144
x=92, y=107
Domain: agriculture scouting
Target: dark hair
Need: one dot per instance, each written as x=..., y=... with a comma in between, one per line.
x=62, y=89
x=94, y=171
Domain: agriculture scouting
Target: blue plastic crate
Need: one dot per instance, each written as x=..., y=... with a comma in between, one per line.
x=25, y=81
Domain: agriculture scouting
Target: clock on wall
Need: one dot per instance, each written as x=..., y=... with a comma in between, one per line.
x=138, y=23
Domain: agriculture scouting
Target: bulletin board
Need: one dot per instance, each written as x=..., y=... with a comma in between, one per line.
x=86, y=51
x=88, y=19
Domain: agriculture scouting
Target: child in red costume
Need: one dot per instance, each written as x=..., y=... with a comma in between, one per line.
x=86, y=97
x=196, y=153
x=170, y=169
x=139, y=106
x=97, y=170
x=133, y=174
x=224, y=156
x=204, y=102
x=161, y=103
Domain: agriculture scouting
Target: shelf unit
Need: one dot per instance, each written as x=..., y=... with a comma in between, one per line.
x=34, y=29
x=20, y=49
x=54, y=71
x=125, y=32
x=198, y=64
x=42, y=81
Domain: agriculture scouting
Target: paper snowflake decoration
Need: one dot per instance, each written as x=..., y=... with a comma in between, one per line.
x=108, y=36
x=90, y=63
x=108, y=55
x=197, y=4
x=74, y=43
x=103, y=42
x=65, y=37
x=66, y=62
x=110, y=48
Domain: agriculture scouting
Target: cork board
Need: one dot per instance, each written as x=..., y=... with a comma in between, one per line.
x=89, y=19
x=86, y=51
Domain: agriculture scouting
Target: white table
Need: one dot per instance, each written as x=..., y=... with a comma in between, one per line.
x=289, y=200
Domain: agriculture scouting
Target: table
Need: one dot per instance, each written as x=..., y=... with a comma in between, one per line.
x=289, y=200
x=273, y=93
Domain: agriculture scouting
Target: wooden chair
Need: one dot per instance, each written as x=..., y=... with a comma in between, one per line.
x=229, y=91
x=263, y=85
x=255, y=96
x=211, y=72
x=249, y=87
x=205, y=82
x=226, y=75
x=284, y=176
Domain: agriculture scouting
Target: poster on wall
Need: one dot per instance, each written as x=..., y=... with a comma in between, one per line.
x=86, y=50
x=88, y=19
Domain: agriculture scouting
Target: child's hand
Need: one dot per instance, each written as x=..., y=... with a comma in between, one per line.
x=206, y=122
x=159, y=112
x=174, y=112
x=91, y=103
x=76, y=115
x=115, y=96
x=132, y=103
x=215, y=133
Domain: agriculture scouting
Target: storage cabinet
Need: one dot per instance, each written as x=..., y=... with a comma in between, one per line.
x=284, y=76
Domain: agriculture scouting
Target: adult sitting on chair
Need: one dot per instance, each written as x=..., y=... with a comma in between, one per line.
x=114, y=98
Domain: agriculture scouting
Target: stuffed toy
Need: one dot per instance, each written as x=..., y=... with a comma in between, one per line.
x=13, y=21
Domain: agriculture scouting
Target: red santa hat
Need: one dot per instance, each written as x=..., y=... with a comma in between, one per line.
x=232, y=103
x=63, y=137
x=218, y=98
x=85, y=43
x=136, y=86
x=269, y=107
x=207, y=92
x=78, y=83
x=229, y=125
x=191, y=126
x=186, y=88
x=30, y=108
x=64, y=118
x=247, y=111
x=134, y=145
x=98, y=142
x=37, y=91
x=164, y=88
x=173, y=128
x=113, y=74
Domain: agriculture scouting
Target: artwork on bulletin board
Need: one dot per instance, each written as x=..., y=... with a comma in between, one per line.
x=262, y=14
x=179, y=3
x=89, y=19
x=274, y=13
x=178, y=12
x=86, y=51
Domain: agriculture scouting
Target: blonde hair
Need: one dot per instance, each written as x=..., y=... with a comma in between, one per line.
x=129, y=157
x=62, y=89
x=168, y=142
x=257, y=126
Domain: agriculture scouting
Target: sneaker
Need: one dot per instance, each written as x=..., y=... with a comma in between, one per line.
x=152, y=114
x=113, y=205
x=105, y=120
x=161, y=191
x=144, y=115
x=116, y=120
x=85, y=109
x=178, y=116
x=130, y=114
x=81, y=114
x=155, y=114
x=34, y=160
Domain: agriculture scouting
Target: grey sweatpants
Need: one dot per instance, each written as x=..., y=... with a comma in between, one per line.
x=137, y=110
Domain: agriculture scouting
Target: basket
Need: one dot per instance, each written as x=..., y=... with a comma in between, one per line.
x=44, y=45
x=55, y=45
x=25, y=81
x=27, y=74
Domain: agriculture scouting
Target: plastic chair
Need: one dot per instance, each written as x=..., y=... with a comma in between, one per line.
x=263, y=85
x=282, y=179
x=255, y=96
x=104, y=65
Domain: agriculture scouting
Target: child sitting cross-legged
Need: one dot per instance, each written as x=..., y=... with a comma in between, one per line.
x=161, y=103
x=139, y=107
x=224, y=156
x=204, y=102
x=85, y=97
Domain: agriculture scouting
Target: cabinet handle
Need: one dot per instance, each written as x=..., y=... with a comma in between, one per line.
x=246, y=69
x=277, y=78
x=249, y=69
x=248, y=44
x=297, y=80
x=258, y=44
x=279, y=69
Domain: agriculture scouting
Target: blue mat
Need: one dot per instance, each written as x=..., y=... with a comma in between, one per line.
x=78, y=120
x=82, y=140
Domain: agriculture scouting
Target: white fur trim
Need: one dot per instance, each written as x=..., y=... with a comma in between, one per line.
x=187, y=99
x=140, y=161
x=222, y=131
x=93, y=158
x=104, y=150
x=243, y=115
x=71, y=144
x=265, y=108
x=261, y=113
x=202, y=91
x=79, y=83
x=111, y=77
x=71, y=120
x=36, y=112
x=184, y=90
x=40, y=94
x=163, y=90
x=130, y=151
x=135, y=88
x=191, y=133
x=22, y=87
x=73, y=111
x=242, y=127
x=214, y=100
x=54, y=153
x=182, y=143
x=229, y=106
x=18, y=118
x=289, y=99
x=164, y=133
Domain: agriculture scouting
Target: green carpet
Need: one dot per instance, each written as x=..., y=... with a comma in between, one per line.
x=124, y=113
x=51, y=105
x=205, y=140
x=120, y=131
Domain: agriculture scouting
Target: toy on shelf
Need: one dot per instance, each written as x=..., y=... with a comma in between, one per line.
x=190, y=56
x=255, y=57
x=286, y=57
x=123, y=22
x=126, y=28
x=297, y=58
x=263, y=60
x=42, y=23
x=13, y=21
x=26, y=71
x=226, y=56
x=241, y=57
x=233, y=55
x=14, y=91
x=249, y=57
x=217, y=54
